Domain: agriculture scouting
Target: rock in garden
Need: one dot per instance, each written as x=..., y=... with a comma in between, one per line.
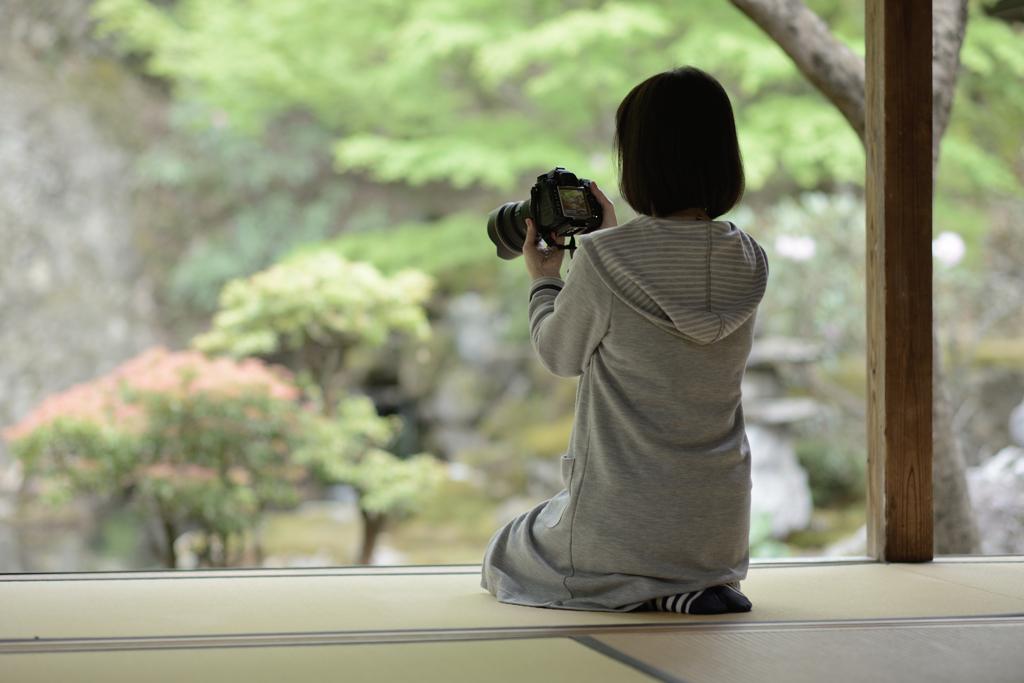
x=997, y=495
x=780, y=488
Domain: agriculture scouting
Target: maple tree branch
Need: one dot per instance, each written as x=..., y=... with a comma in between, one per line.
x=829, y=64
x=949, y=24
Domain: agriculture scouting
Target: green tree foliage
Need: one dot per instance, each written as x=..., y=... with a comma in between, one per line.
x=485, y=94
x=350, y=450
x=983, y=143
x=191, y=443
x=450, y=243
x=230, y=205
x=980, y=163
x=318, y=306
x=480, y=92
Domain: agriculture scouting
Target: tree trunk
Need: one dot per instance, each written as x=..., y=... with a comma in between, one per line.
x=165, y=542
x=373, y=524
x=324, y=362
x=949, y=24
x=954, y=525
x=839, y=74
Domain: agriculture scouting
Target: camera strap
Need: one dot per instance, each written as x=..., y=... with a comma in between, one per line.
x=571, y=246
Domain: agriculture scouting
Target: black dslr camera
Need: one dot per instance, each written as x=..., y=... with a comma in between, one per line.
x=560, y=204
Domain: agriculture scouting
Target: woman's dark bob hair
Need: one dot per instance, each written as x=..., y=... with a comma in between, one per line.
x=676, y=140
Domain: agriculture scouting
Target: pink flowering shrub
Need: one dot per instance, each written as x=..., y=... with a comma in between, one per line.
x=157, y=370
x=192, y=442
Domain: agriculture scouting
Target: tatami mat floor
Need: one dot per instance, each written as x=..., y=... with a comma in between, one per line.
x=956, y=619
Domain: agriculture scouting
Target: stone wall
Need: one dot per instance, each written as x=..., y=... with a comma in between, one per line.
x=74, y=301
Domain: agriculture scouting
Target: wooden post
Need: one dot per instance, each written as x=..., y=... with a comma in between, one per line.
x=899, y=278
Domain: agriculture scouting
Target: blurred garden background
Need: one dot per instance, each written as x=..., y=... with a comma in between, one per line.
x=250, y=316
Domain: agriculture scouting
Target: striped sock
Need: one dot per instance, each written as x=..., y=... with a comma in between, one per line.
x=714, y=600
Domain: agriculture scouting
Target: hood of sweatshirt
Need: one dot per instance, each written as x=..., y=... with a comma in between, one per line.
x=700, y=280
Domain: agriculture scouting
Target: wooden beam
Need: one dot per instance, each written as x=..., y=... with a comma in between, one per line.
x=899, y=278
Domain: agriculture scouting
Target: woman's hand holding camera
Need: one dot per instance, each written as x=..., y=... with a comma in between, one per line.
x=546, y=261
x=607, y=208
x=541, y=261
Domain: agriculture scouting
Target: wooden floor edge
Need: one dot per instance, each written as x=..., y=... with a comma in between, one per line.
x=441, y=569
x=242, y=640
x=255, y=573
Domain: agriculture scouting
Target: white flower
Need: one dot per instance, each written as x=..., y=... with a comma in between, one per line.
x=795, y=248
x=949, y=248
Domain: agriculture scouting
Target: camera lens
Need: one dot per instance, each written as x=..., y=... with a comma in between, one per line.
x=506, y=226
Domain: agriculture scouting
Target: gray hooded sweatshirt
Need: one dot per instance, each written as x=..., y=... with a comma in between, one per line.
x=656, y=317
